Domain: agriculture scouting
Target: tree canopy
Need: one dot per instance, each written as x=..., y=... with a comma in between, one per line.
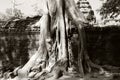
x=110, y=8
x=16, y=13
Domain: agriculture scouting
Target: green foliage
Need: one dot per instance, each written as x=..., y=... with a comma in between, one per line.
x=110, y=8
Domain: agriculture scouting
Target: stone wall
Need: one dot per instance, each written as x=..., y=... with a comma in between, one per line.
x=17, y=48
x=103, y=45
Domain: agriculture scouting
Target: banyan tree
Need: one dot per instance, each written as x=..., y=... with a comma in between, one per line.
x=54, y=56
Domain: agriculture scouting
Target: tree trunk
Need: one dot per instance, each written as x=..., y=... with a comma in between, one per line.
x=62, y=10
x=42, y=51
x=62, y=27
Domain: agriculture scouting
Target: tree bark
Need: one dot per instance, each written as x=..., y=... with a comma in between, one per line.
x=62, y=27
x=62, y=10
x=42, y=51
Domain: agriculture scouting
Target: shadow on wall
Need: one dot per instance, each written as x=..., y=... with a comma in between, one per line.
x=16, y=48
x=103, y=45
x=17, y=41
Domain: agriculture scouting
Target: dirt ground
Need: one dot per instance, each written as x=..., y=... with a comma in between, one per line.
x=87, y=77
x=93, y=76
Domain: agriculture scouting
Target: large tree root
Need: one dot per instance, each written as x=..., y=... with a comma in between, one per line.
x=57, y=70
x=89, y=66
